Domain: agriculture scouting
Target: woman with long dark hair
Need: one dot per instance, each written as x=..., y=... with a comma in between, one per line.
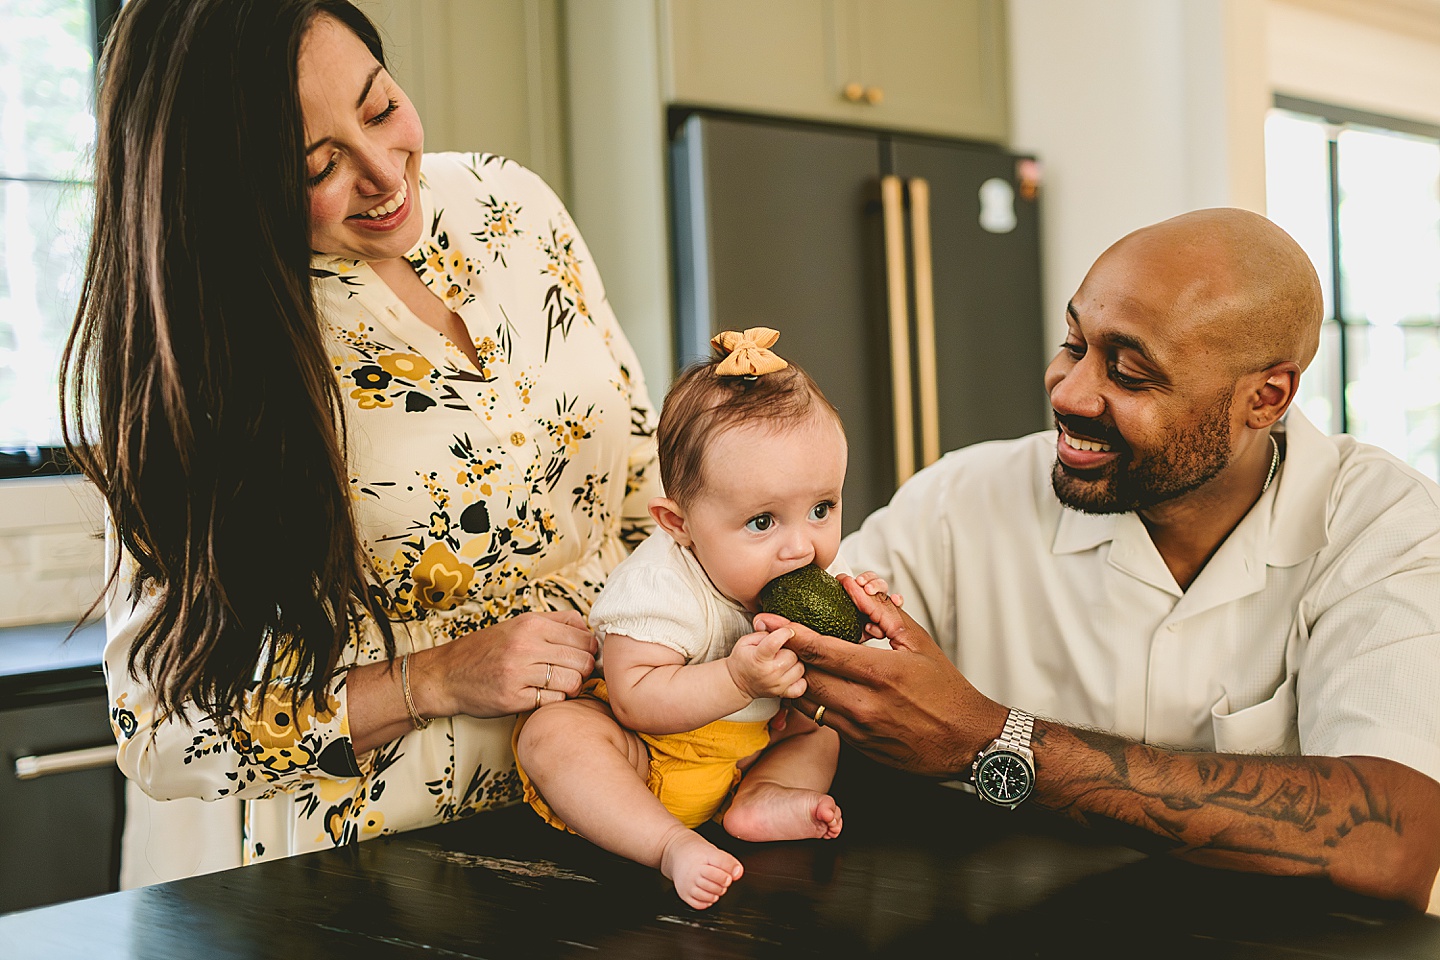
x=368, y=433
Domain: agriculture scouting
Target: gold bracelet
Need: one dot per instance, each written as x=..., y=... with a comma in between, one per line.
x=420, y=722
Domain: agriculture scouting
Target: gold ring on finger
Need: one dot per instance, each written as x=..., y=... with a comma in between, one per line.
x=820, y=715
x=537, y=698
x=549, y=671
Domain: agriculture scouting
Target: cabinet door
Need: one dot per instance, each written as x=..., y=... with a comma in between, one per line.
x=938, y=65
x=755, y=55
x=934, y=66
x=485, y=77
x=59, y=833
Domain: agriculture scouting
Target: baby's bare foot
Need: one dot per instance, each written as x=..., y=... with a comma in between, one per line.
x=701, y=871
x=769, y=811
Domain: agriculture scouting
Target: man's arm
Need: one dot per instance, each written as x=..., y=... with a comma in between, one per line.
x=1367, y=824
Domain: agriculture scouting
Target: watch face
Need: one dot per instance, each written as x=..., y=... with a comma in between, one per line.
x=1004, y=777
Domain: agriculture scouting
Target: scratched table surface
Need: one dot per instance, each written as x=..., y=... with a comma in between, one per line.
x=919, y=870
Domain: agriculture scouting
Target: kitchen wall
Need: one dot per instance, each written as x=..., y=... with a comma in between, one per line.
x=1143, y=109
x=1139, y=109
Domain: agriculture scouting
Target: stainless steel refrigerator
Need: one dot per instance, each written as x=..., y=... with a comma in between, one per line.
x=902, y=272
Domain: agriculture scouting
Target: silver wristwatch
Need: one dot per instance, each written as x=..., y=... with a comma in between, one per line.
x=1004, y=772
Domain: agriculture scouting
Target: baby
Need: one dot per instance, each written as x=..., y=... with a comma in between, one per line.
x=752, y=457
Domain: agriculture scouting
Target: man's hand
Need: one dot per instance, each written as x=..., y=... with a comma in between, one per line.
x=762, y=667
x=908, y=706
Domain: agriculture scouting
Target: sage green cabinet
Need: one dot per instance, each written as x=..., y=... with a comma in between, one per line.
x=485, y=76
x=935, y=66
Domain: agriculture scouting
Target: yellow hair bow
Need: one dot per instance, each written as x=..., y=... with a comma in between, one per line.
x=748, y=352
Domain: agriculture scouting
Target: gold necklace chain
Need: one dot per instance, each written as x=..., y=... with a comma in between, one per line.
x=1274, y=463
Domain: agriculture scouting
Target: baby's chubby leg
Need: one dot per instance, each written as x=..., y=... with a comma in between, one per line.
x=592, y=773
x=783, y=794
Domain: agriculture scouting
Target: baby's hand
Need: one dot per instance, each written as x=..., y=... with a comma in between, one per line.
x=761, y=666
x=876, y=587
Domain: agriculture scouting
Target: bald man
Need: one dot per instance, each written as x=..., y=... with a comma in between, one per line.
x=1177, y=611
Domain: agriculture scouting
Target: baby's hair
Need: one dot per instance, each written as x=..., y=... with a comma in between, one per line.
x=701, y=405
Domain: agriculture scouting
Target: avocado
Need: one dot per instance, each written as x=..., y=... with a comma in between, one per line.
x=811, y=596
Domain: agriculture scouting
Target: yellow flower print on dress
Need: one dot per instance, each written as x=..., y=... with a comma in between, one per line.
x=569, y=428
x=498, y=228
x=337, y=822
x=563, y=265
x=402, y=601
x=445, y=270
x=371, y=399
x=274, y=732
x=275, y=760
x=122, y=719
x=274, y=722
x=565, y=299
x=373, y=824
x=332, y=791
x=439, y=525
x=524, y=386
x=405, y=366
x=441, y=579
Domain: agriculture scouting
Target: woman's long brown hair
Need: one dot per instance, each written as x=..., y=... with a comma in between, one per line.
x=196, y=389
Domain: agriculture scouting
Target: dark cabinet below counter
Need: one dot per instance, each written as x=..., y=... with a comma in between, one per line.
x=61, y=795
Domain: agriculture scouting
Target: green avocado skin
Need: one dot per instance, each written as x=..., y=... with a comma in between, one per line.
x=812, y=597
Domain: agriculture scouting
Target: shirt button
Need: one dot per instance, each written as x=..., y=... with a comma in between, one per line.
x=517, y=438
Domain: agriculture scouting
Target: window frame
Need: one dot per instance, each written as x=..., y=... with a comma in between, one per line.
x=49, y=461
x=1338, y=118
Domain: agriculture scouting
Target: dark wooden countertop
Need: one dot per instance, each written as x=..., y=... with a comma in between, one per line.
x=920, y=870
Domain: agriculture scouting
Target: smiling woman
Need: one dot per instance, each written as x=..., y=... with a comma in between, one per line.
x=369, y=434
x=363, y=153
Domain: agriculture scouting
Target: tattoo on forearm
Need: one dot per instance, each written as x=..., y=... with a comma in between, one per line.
x=1186, y=798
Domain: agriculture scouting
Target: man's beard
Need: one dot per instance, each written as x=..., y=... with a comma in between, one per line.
x=1187, y=461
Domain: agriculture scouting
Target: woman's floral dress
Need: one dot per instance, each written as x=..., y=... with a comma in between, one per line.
x=480, y=494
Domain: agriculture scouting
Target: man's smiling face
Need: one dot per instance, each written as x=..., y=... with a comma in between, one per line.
x=1144, y=400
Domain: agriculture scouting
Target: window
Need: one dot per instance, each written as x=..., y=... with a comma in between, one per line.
x=47, y=137
x=1361, y=194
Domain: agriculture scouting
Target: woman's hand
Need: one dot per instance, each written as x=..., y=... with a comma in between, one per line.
x=514, y=666
x=509, y=668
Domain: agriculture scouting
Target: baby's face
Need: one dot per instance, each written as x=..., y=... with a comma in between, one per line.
x=769, y=504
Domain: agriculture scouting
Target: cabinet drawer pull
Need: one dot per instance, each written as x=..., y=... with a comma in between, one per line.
x=859, y=93
x=31, y=768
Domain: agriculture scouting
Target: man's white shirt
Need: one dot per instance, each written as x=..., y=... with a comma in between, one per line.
x=1314, y=628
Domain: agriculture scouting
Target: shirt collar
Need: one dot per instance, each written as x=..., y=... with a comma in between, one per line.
x=1298, y=529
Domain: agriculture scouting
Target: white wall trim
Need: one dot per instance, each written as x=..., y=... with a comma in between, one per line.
x=1406, y=18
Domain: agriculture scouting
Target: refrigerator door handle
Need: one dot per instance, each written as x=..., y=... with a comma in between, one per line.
x=926, y=371
x=892, y=201
x=32, y=768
